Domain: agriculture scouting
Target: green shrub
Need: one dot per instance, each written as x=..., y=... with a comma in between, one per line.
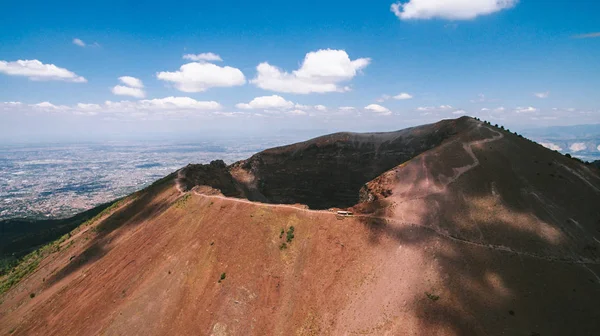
x=223, y=275
x=290, y=234
x=432, y=297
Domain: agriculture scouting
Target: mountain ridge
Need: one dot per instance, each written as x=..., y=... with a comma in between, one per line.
x=484, y=233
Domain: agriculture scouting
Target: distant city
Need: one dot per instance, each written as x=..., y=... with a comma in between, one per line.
x=57, y=181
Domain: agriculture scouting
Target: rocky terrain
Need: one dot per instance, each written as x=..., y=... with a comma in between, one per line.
x=459, y=228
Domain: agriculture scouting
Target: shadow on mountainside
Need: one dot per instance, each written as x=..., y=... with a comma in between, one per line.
x=512, y=243
x=144, y=207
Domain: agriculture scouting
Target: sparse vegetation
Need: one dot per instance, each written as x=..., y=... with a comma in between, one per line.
x=223, y=275
x=182, y=201
x=283, y=246
x=290, y=234
x=432, y=296
x=32, y=295
x=281, y=233
x=26, y=265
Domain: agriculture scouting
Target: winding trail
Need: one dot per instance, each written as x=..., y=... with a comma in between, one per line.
x=468, y=147
x=499, y=248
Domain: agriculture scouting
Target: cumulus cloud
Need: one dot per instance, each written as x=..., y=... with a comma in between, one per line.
x=347, y=108
x=598, y=148
x=321, y=108
x=210, y=57
x=131, y=82
x=266, y=102
x=459, y=112
x=529, y=109
x=449, y=9
x=38, y=71
x=133, y=87
x=542, y=95
x=578, y=147
x=78, y=42
x=198, y=77
x=551, y=146
x=128, y=91
x=403, y=96
x=321, y=71
x=378, y=109
x=46, y=105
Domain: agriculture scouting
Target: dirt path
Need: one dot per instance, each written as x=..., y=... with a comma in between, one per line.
x=499, y=248
x=469, y=149
x=468, y=146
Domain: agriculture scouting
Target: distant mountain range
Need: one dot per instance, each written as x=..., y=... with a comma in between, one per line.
x=582, y=141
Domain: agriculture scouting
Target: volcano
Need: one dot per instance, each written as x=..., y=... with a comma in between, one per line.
x=456, y=228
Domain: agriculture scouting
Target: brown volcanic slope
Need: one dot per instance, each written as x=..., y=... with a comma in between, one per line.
x=485, y=233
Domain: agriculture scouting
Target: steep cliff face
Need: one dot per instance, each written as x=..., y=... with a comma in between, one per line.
x=329, y=171
x=214, y=175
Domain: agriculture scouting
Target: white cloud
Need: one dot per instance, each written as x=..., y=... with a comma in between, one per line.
x=12, y=104
x=542, y=95
x=128, y=91
x=347, y=108
x=266, y=102
x=179, y=103
x=403, y=96
x=551, y=146
x=378, y=109
x=38, y=71
x=78, y=42
x=131, y=82
x=88, y=106
x=578, y=147
x=598, y=148
x=499, y=109
x=203, y=57
x=321, y=108
x=298, y=112
x=449, y=9
x=485, y=109
x=459, y=112
x=168, y=106
x=46, y=105
x=321, y=71
x=198, y=77
x=529, y=109
x=434, y=108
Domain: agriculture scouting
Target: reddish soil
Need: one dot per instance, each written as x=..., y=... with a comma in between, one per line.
x=486, y=234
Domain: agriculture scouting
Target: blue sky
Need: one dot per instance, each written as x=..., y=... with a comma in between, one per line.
x=519, y=63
